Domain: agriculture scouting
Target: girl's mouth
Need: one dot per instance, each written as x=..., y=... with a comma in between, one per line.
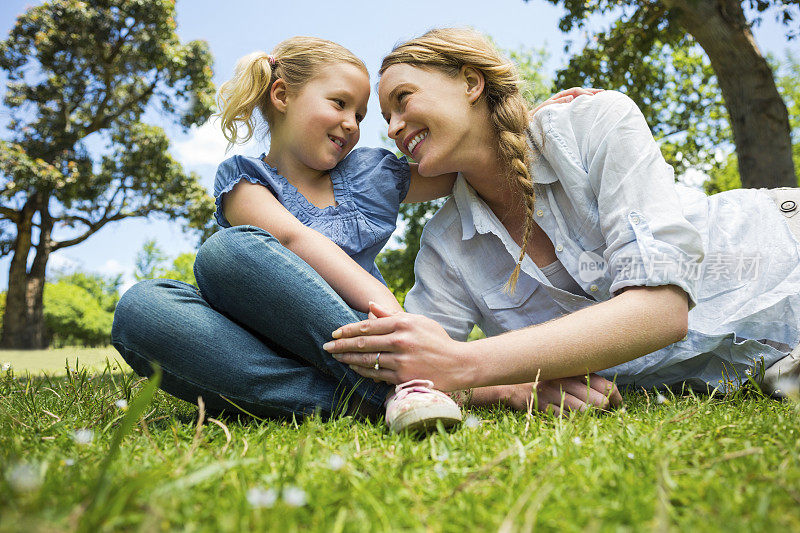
x=338, y=141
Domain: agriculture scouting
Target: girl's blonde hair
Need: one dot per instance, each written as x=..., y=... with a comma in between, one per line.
x=448, y=50
x=295, y=60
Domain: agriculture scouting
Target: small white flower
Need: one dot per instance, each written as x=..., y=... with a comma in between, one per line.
x=577, y=441
x=121, y=403
x=472, y=421
x=336, y=462
x=83, y=436
x=439, y=470
x=294, y=496
x=622, y=411
x=6, y=367
x=630, y=456
x=24, y=477
x=258, y=497
x=444, y=455
x=661, y=398
x=69, y=462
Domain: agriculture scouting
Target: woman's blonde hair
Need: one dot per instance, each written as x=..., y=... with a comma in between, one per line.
x=448, y=50
x=295, y=60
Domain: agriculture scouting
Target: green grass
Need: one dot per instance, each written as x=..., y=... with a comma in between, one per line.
x=54, y=361
x=717, y=463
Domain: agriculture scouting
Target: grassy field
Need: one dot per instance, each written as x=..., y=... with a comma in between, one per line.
x=103, y=450
x=54, y=362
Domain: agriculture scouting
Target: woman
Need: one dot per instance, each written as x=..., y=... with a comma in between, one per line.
x=575, y=224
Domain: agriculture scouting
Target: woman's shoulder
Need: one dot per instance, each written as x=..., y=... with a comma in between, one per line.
x=582, y=115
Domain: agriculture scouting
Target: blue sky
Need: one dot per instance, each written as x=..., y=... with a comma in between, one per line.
x=368, y=28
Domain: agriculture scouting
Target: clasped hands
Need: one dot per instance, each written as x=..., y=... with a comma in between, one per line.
x=414, y=346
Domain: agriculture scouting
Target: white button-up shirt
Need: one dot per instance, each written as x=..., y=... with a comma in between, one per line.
x=609, y=203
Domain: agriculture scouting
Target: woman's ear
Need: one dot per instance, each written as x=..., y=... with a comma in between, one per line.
x=278, y=95
x=475, y=83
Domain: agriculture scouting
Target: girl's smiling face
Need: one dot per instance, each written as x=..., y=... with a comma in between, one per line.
x=429, y=115
x=321, y=121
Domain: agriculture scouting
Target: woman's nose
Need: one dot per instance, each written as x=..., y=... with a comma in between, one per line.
x=395, y=127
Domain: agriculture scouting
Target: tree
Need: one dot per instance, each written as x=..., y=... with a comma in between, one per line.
x=726, y=176
x=758, y=117
x=150, y=264
x=91, y=68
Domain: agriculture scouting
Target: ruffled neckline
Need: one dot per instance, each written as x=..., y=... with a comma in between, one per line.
x=340, y=192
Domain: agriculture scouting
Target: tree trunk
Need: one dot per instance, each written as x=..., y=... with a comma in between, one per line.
x=23, y=322
x=758, y=115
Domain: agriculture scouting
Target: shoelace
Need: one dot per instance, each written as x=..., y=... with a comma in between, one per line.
x=415, y=385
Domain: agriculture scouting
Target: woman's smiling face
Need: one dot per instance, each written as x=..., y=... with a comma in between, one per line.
x=428, y=114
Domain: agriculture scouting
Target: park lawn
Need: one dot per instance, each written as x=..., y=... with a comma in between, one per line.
x=720, y=463
x=55, y=361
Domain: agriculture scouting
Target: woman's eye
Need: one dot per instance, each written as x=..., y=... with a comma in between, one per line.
x=359, y=117
x=339, y=102
x=401, y=96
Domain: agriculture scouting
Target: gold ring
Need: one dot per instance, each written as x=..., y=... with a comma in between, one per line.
x=377, y=361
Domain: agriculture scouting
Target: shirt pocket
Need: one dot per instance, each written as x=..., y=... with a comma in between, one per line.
x=528, y=304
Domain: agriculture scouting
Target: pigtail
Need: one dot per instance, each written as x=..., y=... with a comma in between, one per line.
x=241, y=95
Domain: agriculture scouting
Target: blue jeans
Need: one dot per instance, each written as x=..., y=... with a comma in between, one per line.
x=253, y=333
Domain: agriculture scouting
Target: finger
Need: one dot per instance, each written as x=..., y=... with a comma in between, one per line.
x=554, y=395
x=585, y=394
x=367, y=360
x=378, y=310
x=375, y=326
x=606, y=388
x=376, y=375
x=371, y=343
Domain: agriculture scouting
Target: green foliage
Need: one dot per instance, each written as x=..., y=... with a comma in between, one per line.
x=74, y=316
x=151, y=263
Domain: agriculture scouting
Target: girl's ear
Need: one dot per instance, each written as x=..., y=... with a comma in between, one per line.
x=475, y=83
x=278, y=95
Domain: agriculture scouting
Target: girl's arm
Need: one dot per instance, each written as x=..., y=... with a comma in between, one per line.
x=423, y=189
x=252, y=204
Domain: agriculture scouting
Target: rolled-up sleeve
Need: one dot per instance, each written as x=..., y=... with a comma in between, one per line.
x=649, y=242
x=438, y=291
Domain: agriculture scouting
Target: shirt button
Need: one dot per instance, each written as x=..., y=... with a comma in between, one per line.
x=539, y=213
x=635, y=219
x=559, y=248
x=593, y=288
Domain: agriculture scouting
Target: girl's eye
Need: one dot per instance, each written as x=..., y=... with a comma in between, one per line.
x=339, y=102
x=359, y=117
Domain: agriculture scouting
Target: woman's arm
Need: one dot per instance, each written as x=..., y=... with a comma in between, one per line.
x=252, y=204
x=637, y=322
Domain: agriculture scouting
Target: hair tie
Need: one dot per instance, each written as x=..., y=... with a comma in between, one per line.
x=271, y=59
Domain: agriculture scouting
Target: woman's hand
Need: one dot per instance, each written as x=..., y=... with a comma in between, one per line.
x=564, y=97
x=546, y=396
x=410, y=346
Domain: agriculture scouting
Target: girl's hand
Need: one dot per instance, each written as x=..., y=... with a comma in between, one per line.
x=410, y=346
x=564, y=97
x=557, y=396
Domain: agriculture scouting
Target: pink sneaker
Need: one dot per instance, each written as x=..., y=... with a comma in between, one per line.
x=417, y=406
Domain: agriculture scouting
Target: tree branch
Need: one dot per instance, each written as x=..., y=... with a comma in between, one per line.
x=11, y=214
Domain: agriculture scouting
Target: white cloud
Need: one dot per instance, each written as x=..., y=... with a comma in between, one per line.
x=206, y=146
x=112, y=266
x=61, y=262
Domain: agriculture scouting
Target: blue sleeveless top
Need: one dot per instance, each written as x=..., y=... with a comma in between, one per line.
x=368, y=185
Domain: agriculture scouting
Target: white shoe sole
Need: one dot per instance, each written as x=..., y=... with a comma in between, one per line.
x=426, y=418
